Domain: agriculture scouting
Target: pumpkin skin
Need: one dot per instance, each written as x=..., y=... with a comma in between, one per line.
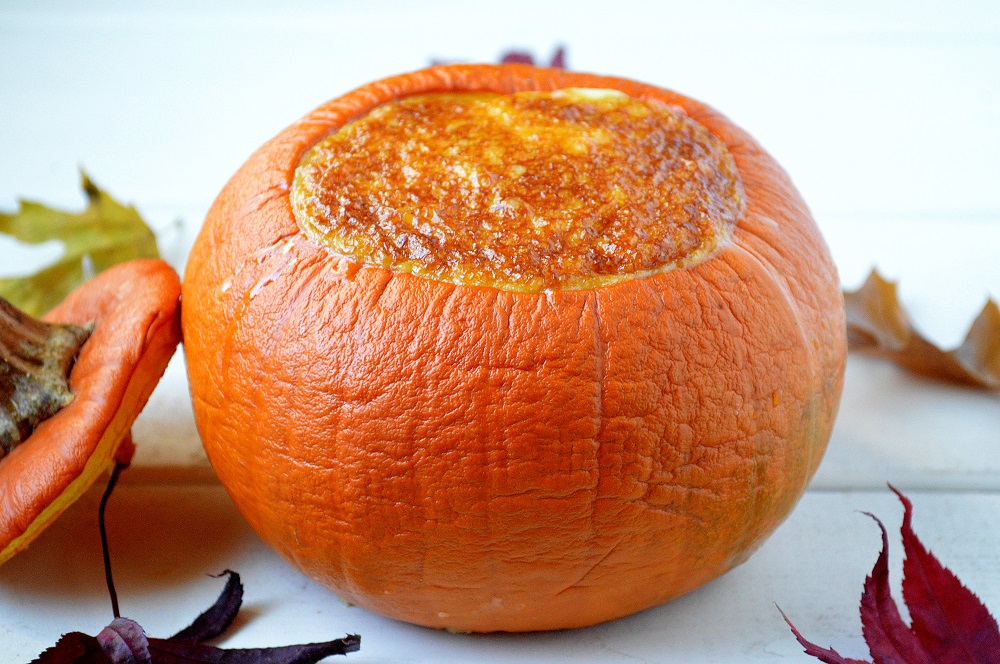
x=475, y=459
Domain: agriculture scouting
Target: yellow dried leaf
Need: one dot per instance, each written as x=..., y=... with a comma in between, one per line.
x=104, y=234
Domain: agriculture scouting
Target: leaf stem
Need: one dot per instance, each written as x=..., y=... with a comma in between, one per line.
x=119, y=467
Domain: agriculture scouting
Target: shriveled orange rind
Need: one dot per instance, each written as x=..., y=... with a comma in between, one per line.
x=476, y=459
x=135, y=310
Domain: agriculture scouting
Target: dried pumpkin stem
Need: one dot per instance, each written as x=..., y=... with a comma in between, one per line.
x=35, y=361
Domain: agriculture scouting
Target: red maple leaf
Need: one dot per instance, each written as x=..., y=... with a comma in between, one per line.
x=949, y=625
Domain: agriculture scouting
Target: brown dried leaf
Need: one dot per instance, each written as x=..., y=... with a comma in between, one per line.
x=878, y=324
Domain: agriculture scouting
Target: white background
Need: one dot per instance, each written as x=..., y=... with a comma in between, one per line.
x=886, y=114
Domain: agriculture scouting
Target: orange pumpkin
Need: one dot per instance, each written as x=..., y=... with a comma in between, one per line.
x=478, y=459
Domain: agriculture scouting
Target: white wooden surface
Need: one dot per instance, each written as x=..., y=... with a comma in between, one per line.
x=887, y=117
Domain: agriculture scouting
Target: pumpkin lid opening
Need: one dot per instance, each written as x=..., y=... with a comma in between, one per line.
x=533, y=191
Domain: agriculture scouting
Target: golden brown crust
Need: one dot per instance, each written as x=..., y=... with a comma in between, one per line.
x=527, y=192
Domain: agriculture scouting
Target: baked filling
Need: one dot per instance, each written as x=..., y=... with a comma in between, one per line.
x=533, y=191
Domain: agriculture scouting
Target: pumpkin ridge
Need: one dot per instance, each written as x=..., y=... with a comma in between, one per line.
x=600, y=433
x=789, y=299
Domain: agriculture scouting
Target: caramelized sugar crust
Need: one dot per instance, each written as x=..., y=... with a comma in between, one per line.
x=526, y=192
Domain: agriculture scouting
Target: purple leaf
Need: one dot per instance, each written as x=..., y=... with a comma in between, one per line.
x=74, y=648
x=124, y=642
x=517, y=57
x=558, y=60
x=166, y=651
x=218, y=617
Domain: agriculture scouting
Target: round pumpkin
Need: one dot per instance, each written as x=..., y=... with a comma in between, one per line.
x=480, y=459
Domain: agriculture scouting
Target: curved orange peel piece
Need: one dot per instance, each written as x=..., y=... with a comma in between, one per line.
x=135, y=309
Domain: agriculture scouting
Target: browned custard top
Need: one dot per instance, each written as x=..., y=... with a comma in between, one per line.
x=525, y=192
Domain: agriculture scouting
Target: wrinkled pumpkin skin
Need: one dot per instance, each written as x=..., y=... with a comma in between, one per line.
x=473, y=459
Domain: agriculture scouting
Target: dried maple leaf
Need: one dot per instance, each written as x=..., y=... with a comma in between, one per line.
x=124, y=641
x=877, y=323
x=949, y=624
x=104, y=234
x=514, y=56
x=558, y=59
